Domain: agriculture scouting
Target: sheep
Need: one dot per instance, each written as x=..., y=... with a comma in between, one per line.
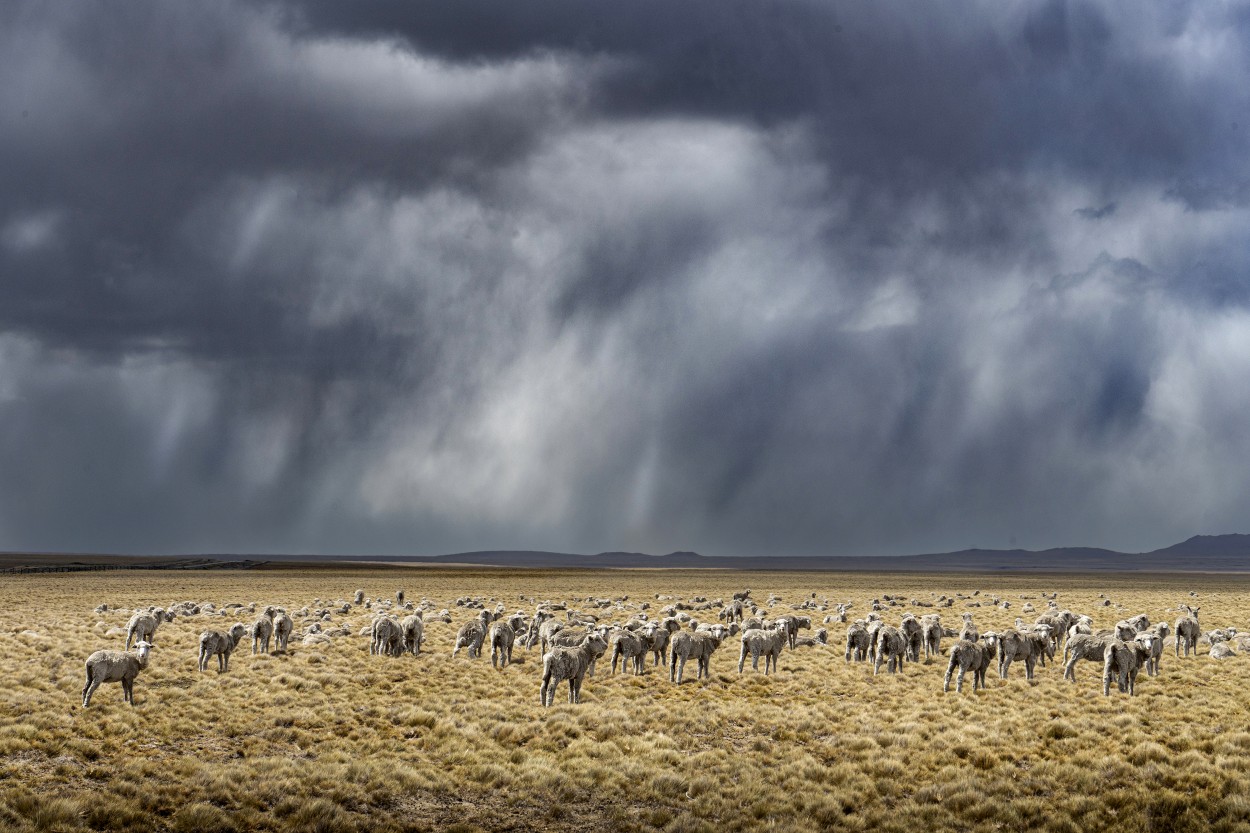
x=116, y=667
x=913, y=636
x=1221, y=650
x=891, y=649
x=142, y=626
x=359, y=598
x=1028, y=646
x=966, y=656
x=697, y=645
x=657, y=636
x=471, y=636
x=732, y=612
x=501, y=638
x=1152, y=641
x=220, y=644
x=1124, y=631
x=969, y=631
x=857, y=641
x=629, y=647
x=261, y=630
x=387, y=637
x=399, y=598
x=1123, y=659
x=1083, y=646
x=565, y=663
x=1187, y=631
x=412, y=633
x=547, y=632
x=766, y=642
x=1059, y=622
x=282, y=627
x=931, y=629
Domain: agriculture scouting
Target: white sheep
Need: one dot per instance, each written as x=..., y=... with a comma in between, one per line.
x=116, y=667
x=686, y=645
x=261, y=631
x=501, y=638
x=282, y=627
x=570, y=663
x=142, y=626
x=1188, y=630
x=757, y=641
x=412, y=632
x=629, y=648
x=387, y=637
x=891, y=650
x=220, y=644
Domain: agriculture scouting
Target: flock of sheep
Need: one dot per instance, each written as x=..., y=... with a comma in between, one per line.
x=571, y=641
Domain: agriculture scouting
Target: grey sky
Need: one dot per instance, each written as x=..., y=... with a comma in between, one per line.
x=736, y=277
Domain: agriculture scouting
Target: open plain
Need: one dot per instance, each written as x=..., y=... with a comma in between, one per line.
x=327, y=737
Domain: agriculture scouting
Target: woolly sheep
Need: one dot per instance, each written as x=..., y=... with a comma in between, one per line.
x=282, y=627
x=1188, y=630
x=891, y=649
x=657, y=637
x=115, y=667
x=1221, y=650
x=966, y=656
x=359, y=598
x=412, y=633
x=1014, y=645
x=1083, y=646
x=913, y=636
x=142, y=626
x=969, y=631
x=696, y=645
x=767, y=642
x=220, y=644
x=629, y=647
x=501, y=638
x=387, y=637
x=931, y=631
x=1122, y=659
x=260, y=631
x=569, y=663
x=857, y=641
x=471, y=635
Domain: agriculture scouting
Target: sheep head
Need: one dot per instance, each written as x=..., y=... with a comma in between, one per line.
x=142, y=649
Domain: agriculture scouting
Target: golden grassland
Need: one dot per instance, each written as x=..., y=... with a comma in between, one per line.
x=329, y=738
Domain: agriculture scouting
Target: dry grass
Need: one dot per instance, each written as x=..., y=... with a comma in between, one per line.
x=332, y=739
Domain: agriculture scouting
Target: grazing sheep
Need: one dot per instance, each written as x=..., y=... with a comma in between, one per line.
x=629, y=648
x=387, y=637
x=412, y=633
x=471, y=635
x=569, y=663
x=501, y=638
x=116, y=667
x=696, y=645
x=1187, y=631
x=282, y=627
x=891, y=649
x=142, y=627
x=221, y=645
x=857, y=641
x=931, y=629
x=766, y=642
x=966, y=656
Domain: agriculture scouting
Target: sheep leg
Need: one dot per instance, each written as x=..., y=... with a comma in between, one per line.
x=89, y=690
x=1069, y=668
x=1028, y=668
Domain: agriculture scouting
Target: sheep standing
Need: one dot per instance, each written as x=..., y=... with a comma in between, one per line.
x=913, y=636
x=757, y=641
x=501, y=638
x=1014, y=645
x=658, y=635
x=969, y=631
x=116, y=667
x=966, y=656
x=387, y=637
x=1121, y=659
x=412, y=633
x=359, y=598
x=471, y=635
x=857, y=641
x=931, y=627
x=1160, y=632
x=1187, y=631
x=569, y=663
x=221, y=645
x=261, y=631
x=696, y=645
x=282, y=627
x=142, y=627
x=1083, y=646
x=891, y=650
x=629, y=648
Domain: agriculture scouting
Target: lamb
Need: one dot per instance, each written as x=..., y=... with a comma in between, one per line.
x=501, y=638
x=629, y=648
x=766, y=642
x=282, y=627
x=220, y=644
x=387, y=637
x=857, y=641
x=697, y=645
x=891, y=649
x=564, y=663
x=1152, y=641
x=1014, y=645
x=142, y=627
x=931, y=628
x=1221, y=650
x=657, y=636
x=1187, y=631
x=412, y=633
x=969, y=632
x=116, y=667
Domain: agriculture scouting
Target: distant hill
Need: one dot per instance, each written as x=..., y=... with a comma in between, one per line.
x=1201, y=553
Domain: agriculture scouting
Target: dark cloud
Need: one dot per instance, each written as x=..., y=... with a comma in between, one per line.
x=757, y=277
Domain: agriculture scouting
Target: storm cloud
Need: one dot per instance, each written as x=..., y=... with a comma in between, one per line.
x=746, y=278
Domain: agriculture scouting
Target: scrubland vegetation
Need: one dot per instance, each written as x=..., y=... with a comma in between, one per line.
x=330, y=738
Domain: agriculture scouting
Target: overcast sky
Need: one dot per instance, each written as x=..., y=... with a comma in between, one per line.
x=745, y=277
